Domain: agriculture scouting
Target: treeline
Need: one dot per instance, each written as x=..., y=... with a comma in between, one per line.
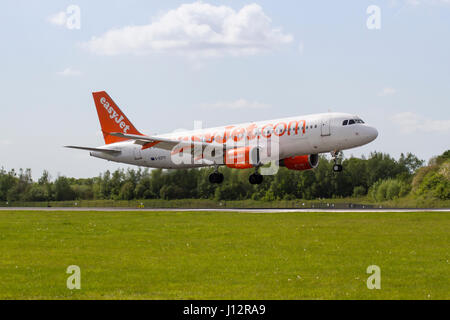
x=379, y=176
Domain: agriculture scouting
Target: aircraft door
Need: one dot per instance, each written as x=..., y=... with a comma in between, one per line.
x=325, y=128
x=137, y=153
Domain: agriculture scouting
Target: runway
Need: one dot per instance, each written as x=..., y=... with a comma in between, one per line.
x=215, y=210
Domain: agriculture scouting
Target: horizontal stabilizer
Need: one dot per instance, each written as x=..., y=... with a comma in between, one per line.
x=107, y=151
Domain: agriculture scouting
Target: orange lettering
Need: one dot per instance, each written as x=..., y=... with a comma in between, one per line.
x=275, y=131
x=263, y=133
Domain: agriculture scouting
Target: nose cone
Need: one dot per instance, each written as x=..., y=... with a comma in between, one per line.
x=371, y=134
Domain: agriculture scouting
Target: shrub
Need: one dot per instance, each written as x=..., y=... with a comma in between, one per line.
x=435, y=185
x=388, y=190
x=359, y=191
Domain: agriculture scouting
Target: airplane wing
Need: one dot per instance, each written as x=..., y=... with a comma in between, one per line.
x=107, y=151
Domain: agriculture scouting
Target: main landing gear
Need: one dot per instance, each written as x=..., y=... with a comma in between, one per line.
x=337, y=167
x=255, y=178
x=216, y=176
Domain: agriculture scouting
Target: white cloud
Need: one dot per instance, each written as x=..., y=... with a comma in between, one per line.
x=410, y=122
x=426, y=2
x=417, y=3
x=196, y=29
x=69, y=72
x=5, y=142
x=238, y=104
x=58, y=19
x=387, y=92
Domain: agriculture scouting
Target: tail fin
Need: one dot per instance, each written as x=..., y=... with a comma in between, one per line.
x=112, y=119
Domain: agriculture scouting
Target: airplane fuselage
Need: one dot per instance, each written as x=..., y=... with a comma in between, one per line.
x=302, y=135
x=290, y=142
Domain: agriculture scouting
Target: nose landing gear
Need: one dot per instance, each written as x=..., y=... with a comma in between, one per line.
x=337, y=167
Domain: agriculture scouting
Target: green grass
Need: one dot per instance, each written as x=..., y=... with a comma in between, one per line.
x=341, y=203
x=217, y=255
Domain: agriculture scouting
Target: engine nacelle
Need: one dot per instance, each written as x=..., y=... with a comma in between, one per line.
x=301, y=162
x=242, y=158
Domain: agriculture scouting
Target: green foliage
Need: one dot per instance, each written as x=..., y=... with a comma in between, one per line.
x=411, y=162
x=440, y=159
x=359, y=191
x=433, y=181
x=435, y=185
x=388, y=190
x=36, y=192
x=380, y=175
x=63, y=189
x=127, y=191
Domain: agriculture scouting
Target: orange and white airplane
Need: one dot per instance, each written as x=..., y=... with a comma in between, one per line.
x=294, y=143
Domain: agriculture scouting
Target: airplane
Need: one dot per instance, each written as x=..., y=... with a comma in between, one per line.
x=294, y=143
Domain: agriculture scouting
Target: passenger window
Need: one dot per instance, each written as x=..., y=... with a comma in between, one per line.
x=351, y=121
x=345, y=122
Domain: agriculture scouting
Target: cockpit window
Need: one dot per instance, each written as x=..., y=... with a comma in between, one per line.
x=352, y=121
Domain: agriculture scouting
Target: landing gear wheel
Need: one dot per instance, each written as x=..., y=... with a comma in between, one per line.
x=216, y=177
x=336, y=156
x=255, y=178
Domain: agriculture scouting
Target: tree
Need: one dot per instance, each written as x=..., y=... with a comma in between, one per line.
x=7, y=181
x=411, y=162
x=127, y=191
x=380, y=175
x=63, y=190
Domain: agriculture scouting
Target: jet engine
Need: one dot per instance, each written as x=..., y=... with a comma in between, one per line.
x=305, y=162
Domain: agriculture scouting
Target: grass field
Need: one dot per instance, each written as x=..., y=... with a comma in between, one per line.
x=342, y=203
x=217, y=255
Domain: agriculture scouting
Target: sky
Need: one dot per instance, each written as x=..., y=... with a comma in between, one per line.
x=170, y=63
